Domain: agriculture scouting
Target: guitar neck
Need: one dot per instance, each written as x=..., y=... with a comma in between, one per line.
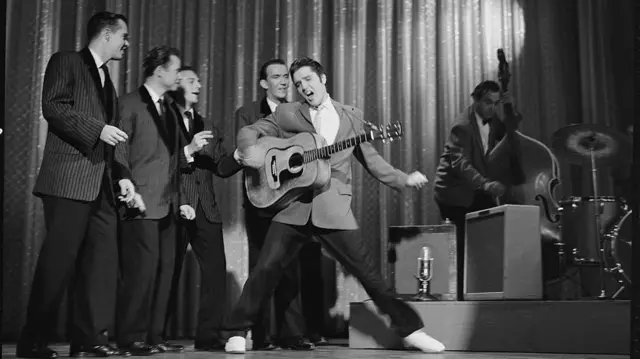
x=326, y=151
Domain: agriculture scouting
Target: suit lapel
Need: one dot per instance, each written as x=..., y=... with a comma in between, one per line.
x=477, y=138
x=305, y=115
x=343, y=129
x=93, y=71
x=181, y=124
x=159, y=121
x=264, y=110
x=198, y=123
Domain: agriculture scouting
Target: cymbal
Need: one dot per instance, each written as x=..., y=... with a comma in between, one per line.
x=576, y=142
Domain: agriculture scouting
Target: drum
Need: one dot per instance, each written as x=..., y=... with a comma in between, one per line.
x=617, y=249
x=578, y=231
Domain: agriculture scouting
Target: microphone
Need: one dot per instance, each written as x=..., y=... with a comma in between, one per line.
x=425, y=273
x=425, y=262
x=372, y=125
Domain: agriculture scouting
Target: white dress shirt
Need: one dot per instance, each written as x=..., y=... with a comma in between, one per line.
x=154, y=97
x=326, y=120
x=272, y=105
x=484, y=132
x=99, y=63
x=185, y=119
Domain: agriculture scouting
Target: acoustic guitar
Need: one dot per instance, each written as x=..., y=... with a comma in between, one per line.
x=298, y=164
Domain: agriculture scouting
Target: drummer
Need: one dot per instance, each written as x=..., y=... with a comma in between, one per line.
x=463, y=183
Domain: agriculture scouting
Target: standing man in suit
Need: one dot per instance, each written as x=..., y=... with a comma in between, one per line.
x=464, y=180
x=201, y=224
x=79, y=103
x=325, y=213
x=290, y=322
x=153, y=155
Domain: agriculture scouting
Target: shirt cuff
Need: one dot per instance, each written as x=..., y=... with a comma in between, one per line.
x=188, y=155
x=236, y=156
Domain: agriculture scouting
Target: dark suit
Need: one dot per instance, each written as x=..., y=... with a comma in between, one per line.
x=463, y=171
x=205, y=231
x=148, y=241
x=74, y=183
x=290, y=321
x=324, y=214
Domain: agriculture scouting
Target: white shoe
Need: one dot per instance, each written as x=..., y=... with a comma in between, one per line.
x=424, y=342
x=236, y=345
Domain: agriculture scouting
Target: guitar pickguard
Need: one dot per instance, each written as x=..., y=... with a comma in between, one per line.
x=284, y=164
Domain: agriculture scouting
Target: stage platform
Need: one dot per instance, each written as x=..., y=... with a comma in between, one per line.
x=564, y=327
x=334, y=351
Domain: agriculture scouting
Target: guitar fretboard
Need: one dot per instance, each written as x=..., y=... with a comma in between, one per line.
x=326, y=151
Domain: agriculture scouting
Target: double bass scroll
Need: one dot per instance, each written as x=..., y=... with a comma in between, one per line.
x=527, y=167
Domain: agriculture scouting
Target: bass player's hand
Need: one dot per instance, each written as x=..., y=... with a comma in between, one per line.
x=252, y=157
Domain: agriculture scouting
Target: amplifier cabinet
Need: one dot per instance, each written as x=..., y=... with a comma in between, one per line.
x=502, y=254
x=404, y=248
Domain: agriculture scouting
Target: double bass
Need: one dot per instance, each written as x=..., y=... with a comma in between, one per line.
x=527, y=167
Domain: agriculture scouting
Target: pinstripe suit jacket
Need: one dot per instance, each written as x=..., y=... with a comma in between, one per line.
x=196, y=180
x=329, y=207
x=74, y=156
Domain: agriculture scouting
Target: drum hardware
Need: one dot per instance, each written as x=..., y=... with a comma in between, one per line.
x=597, y=146
x=617, y=252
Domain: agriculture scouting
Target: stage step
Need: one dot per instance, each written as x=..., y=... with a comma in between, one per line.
x=572, y=327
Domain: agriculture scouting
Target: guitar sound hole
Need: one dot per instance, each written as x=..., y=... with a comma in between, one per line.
x=296, y=160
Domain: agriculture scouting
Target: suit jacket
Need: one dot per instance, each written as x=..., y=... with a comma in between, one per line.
x=152, y=154
x=245, y=116
x=196, y=179
x=464, y=166
x=74, y=105
x=329, y=207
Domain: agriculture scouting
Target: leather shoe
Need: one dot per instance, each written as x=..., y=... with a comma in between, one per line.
x=297, y=344
x=169, y=348
x=140, y=349
x=35, y=351
x=106, y=350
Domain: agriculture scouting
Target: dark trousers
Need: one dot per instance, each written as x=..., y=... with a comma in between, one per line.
x=81, y=242
x=286, y=300
x=312, y=289
x=456, y=214
x=281, y=247
x=147, y=262
x=208, y=246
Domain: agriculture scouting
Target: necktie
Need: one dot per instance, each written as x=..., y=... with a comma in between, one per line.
x=189, y=123
x=107, y=93
x=161, y=106
x=317, y=120
x=107, y=78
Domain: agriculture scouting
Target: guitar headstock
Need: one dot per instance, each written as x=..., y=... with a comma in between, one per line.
x=503, y=71
x=388, y=132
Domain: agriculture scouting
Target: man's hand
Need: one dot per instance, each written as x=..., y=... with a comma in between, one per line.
x=138, y=203
x=495, y=188
x=127, y=190
x=506, y=98
x=416, y=180
x=112, y=135
x=252, y=157
x=198, y=142
x=187, y=212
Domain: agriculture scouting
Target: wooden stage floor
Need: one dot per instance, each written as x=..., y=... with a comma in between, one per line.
x=338, y=351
